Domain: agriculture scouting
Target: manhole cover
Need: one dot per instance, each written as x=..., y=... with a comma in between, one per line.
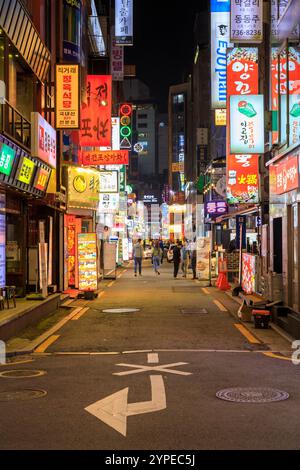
x=194, y=310
x=121, y=310
x=252, y=395
x=22, y=395
x=21, y=374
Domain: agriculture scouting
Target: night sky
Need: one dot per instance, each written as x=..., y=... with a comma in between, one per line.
x=163, y=43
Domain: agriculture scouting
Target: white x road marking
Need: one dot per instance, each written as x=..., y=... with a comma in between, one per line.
x=165, y=368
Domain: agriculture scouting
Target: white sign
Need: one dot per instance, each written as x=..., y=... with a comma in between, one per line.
x=125, y=249
x=220, y=32
x=115, y=133
x=203, y=258
x=108, y=203
x=116, y=59
x=109, y=181
x=247, y=124
x=124, y=22
x=246, y=21
x=43, y=140
x=2, y=92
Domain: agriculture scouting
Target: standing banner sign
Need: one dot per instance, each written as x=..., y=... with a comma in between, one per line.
x=203, y=258
x=246, y=21
x=124, y=22
x=87, y=261
x=95, y=129
x=220, y=32
x=67, y=96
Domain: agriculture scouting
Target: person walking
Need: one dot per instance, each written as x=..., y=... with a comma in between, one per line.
x=156, y=256
x=138, y=256
x=184, y=259
x=161, y=246
x=176, y=258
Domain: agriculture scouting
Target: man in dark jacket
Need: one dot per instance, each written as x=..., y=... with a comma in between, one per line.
x=176, y=258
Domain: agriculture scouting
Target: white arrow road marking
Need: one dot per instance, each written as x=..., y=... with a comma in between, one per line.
x=114, y=409
x=165, y=368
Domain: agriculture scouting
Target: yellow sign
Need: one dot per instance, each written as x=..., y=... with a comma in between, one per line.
x=67, y=97
x=220, y=117
x=26, y=171
x=83, y=187
x=178, y=167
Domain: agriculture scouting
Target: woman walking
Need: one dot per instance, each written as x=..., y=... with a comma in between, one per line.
x=156, y=256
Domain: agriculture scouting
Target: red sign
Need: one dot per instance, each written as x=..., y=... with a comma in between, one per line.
x=108, y=157
x=95, y=128
x=242, y=179
x=242, y=170
x=42, y=179
x=284, y=175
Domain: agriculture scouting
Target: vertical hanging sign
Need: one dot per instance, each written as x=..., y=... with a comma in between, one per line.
x=246, y=21
x=67, y=96
x=95, y=129
x=124, y=22
x=220, y=32
x=116, y=59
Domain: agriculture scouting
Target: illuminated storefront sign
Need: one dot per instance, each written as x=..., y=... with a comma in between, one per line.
x=108, y=203
x=7, y=156
x=220, y=117
x=83, y=187
x=125, y=113
x=279, y=83
x=215, y=208
x=95, y=129
x=220, y=32
x=246, y=21
x=67, y=97
x=116, y=59
x=284, y=175
x=177, y=167
x=26, y=170
x=124, y=22
x=108, y=157
x=41, y=179
x=87, y=261
x=43, y=140
x=115, y=133
x=247, y=124
x=242, y=179
x=242, y=71
x=109, y=181
x=249, y=274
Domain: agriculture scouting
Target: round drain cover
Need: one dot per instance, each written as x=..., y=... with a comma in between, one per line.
x=21, y=374
x=252, y=395
x=22, y=395
x=121, y=310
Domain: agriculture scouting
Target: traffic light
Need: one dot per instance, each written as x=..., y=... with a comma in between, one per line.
x=125, y=126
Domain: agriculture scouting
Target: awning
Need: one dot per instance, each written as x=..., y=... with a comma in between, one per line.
x=17, y=25
x=245, y=211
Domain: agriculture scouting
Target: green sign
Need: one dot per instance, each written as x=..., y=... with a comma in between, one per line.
x=129, y=189
x=7, y=155
x=122, y=178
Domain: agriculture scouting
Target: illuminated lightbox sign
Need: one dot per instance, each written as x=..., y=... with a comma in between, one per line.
x=115, y=133
x=109, y=157
x=242, y=179
x=26, y=170
x=284, y=175
x=246, y=124
x=43, y=140
x=42, y=178
x=67, y=97
x=124, y=22
x=220, y=117
x=246, y=21
x=220, y=41
x=109, y=181
x=215, y=208
x=7, y=156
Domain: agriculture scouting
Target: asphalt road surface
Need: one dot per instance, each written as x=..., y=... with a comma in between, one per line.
x=148, y=379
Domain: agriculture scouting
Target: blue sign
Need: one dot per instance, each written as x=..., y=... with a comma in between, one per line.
x=220, y=5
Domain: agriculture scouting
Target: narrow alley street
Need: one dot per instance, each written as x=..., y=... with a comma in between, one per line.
x=148, y=379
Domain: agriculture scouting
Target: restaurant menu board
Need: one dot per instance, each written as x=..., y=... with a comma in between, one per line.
x=87, y=261
x=203, y=258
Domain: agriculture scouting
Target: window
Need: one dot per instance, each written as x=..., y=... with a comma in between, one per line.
x=142, y=116
x=142, y=125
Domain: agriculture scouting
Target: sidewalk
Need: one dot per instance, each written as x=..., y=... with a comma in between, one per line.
x=26, y=313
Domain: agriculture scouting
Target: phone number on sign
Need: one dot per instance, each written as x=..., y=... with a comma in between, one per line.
x=247, y=32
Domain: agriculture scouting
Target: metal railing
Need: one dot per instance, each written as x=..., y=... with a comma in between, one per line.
x=15, y=125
